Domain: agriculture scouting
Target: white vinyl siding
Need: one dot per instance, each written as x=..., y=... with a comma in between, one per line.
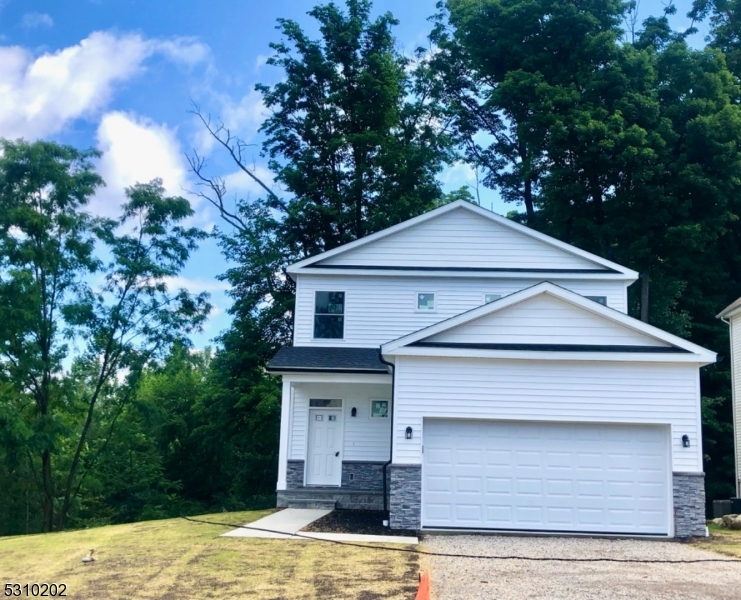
x=364, y=438
x=736, y=371
x=555, y=391
x=379, y=309
x=545, y=319
x=461, y=238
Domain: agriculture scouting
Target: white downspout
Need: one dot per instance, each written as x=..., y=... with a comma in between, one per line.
x=734, y=411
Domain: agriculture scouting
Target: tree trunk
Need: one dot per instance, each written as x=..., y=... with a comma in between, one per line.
x=48, y=483
x=644, y=297
x=528, y=198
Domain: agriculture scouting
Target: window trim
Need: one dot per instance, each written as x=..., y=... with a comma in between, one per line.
x=388, y=408
x=485, y=294
x=417, y=309
x=314, y=314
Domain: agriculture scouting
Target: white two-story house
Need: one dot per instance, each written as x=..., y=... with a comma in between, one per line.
x=466, y=372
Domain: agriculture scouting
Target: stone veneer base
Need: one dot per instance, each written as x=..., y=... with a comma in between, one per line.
x=405, y=500
x=689, y=504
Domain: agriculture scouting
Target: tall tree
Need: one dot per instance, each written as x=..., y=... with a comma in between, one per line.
x=355, y=138
x=509, y=68
x=724, y=18
x=639, y=149
x=49, y=248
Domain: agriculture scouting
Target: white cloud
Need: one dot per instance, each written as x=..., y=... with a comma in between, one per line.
x=242, y=117
x=40, y=95
x=458, y=175
x=34, y=20
x=238, y=182
x=136, y=149
x=187, y=51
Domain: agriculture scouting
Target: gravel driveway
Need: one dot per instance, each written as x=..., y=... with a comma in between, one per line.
x=475, y=579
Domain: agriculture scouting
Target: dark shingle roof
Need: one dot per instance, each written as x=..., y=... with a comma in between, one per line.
x=331, y=360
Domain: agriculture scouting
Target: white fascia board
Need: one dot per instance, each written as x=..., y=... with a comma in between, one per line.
x=562, y=294
x=335, y=378
x=449, y=273
x=621, y=270
x=729, y=314
x=545, y=355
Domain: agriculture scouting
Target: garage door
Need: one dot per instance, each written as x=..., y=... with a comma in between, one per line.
x=545, y=477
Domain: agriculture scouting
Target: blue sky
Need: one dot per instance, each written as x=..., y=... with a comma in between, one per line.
x=119, y=75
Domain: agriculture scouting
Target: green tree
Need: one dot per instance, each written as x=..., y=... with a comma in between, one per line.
x=724, y=18
x=355, y=139
x=49, y=249
x=510, y=69
x=639, y=146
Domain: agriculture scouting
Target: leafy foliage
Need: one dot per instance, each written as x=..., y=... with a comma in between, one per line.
x=49, y=249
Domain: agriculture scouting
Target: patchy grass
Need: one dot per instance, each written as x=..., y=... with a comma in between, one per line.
x=722, y=540
x=174, y=559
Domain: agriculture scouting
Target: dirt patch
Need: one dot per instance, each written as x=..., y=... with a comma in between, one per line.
x=366, y=522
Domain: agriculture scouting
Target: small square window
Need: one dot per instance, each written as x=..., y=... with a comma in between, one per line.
x=598, y=299
x=426, y=301
x=379, y=409
x=491, y=297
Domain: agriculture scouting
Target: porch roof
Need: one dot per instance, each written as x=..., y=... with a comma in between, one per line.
x=311, y=359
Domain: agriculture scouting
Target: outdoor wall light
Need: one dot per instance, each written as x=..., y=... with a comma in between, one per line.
x=408, y=434
x=686, y=441
x=354, y=412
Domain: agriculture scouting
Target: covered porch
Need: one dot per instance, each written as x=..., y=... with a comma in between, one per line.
x=335, y=431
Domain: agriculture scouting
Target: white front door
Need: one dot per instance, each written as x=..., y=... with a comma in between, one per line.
x=324, y=460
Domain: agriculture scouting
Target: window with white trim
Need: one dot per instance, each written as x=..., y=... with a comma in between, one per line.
x=488, y=298
x=329, y=315
x=598, y=299
x=379, y=409
x=425, y=301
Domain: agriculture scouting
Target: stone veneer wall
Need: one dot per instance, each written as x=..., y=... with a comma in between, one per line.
x=365, y=475
x=295, y=474
x=689, y=504
x=405, y=502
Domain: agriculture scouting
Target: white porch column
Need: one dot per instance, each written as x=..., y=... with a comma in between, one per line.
x=285, y=421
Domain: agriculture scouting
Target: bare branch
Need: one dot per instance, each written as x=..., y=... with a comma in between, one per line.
x=237, y=149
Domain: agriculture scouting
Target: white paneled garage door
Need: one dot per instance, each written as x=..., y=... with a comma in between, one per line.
x=546, y=477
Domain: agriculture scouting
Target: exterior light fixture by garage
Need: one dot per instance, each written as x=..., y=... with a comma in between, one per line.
x=685, y=441
x=408, y=433
x=354, y=412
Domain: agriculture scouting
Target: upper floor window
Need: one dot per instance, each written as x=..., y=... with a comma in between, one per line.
x=491, y=297
x=329, y=315
x=598, y=299
x=426, y=301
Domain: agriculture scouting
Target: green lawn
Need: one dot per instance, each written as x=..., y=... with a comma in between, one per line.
x=722, y=540
x=174, y=559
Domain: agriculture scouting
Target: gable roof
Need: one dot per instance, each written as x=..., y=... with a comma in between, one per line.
x=486, y=243
x=579, y=329
x=732, y=310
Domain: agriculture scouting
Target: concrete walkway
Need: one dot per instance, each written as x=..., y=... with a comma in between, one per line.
x=292, y=520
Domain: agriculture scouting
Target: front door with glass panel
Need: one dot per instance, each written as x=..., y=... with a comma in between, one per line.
x=324, y=456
